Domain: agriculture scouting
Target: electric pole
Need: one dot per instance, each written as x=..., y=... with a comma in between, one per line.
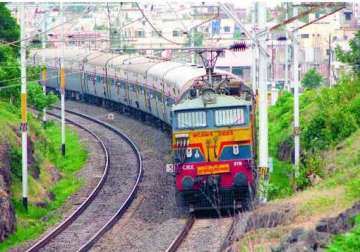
x=262, y=79
x=263, y=116
x=109, y=24
x=329, y=63
x=254, y=50
x=296, y=102
x=192, y=36
x=286, y=82
x=43, y=46
x=273, y=69
x=23, y=109
x=62, y=81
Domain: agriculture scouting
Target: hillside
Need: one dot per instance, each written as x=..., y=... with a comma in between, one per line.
x=329, y=181
x=328, y=116
x=51, y=179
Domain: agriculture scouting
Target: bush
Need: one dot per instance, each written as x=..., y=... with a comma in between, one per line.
x=15, y=162
x=347, y=242
x=312, y=79
x=355, y=109
x=327, y=116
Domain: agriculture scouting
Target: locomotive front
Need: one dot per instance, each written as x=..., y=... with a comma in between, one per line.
x=213, y=151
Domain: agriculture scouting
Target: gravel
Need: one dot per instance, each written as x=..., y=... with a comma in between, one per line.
x=153, y=220
x=207, y=234
x=90, y=175
x=120, y=180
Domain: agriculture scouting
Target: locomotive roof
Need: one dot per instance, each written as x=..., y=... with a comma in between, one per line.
x=221, y=101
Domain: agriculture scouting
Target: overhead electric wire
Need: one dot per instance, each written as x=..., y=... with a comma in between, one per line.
x=173, y=11
x=54, y=27
x=154, y=28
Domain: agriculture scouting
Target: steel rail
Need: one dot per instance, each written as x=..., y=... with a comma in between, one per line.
x=182, y=235
x=63, y=225
x=122, y=208
x=133, y=192
x=229, y=236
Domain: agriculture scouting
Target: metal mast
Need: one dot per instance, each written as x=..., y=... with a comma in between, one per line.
x=263, y=116
x=296, y=102
x=254, y=50
x=23, y=109
x=62, y=82
x=43, y=46
x=286, y=51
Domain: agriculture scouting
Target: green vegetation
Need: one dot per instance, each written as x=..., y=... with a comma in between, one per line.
x=328, y=116
x=349, y=242
x=9, y=29
x=312, y=79
x=45, y=143
x=351, y=57
x=9, y=66
x=52, y=178
x=198, y=38
x=337, y=191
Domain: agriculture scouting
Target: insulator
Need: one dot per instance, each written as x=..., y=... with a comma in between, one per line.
x=282, y=38
x=239, y=46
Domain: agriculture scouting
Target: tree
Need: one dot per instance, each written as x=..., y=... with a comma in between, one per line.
x=351, y=57
x=312, y=79
x=9, y=29
x=9, y=66
x=198, y=38
x=38, y=99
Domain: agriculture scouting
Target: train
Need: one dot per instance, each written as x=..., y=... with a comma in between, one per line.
x=212, y=126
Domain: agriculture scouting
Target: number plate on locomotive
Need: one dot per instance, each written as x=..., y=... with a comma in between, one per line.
x=213, y=169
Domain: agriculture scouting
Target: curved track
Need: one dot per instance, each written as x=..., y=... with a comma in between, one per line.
x=110, y=198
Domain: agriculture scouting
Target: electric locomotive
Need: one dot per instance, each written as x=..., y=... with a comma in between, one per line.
x=214, y=150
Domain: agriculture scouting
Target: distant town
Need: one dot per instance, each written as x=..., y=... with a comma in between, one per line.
x=122, y=26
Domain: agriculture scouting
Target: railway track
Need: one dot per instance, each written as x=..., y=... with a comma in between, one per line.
x=110, y=198
x=144, y=232
x=182, y=235
x=204, y=234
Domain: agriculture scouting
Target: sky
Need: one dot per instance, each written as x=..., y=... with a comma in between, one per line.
x=237, y=3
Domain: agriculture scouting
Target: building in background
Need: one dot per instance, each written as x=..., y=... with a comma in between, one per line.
x=118, y=26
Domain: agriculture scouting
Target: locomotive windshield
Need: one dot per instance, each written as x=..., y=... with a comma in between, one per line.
x=191, y=119
x=230, y=116
x=235, y=116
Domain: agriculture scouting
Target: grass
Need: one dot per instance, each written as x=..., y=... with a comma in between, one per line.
x=327, y=117
x=349, y=242
x=46, y=146
x=337, y=191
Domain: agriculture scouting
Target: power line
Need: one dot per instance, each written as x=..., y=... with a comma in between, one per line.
x=154, y=28
x=42, y=32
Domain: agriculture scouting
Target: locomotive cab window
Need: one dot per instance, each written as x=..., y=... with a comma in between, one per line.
x=230, y=117
x=191, y=119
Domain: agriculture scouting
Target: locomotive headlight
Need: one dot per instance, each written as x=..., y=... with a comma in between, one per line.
x=236, y=149
x=188, y=152
x=197, y=155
